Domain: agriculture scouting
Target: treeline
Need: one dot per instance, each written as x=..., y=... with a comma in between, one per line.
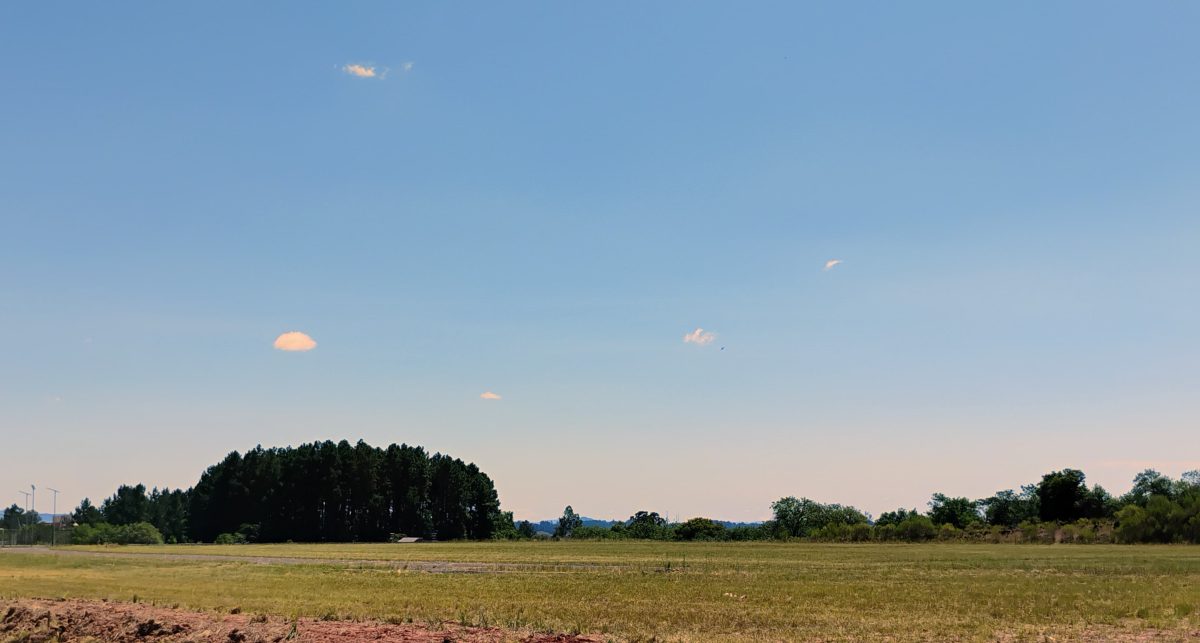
x=15, y=518
x=1058, y=508
x=327, y=492
x=318, y=492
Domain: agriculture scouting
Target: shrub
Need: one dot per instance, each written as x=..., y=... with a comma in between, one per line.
x=859, y=533
x=916, y=529
x=885, y=532
x=748, y=532
x=700, y=529
x=949, y=532
x=1080, y=531
x=138, y=533
x=1035, y=532
x=594, y=533
x=141, y=533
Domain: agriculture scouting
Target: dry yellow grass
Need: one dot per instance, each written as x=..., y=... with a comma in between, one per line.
x=671, y=591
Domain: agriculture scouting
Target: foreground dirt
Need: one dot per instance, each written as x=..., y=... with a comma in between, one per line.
x=44, y=621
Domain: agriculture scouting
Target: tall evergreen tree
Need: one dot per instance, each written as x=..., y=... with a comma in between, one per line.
x=128, y=505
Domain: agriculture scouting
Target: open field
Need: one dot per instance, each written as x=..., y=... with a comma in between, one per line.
x=672, y=591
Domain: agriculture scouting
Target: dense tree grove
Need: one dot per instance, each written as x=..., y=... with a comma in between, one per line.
x=803, y=517
x=323, y=491
x=1161, y=510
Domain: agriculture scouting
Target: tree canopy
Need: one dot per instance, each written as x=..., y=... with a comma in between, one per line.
x=568, y=524
x=323, y=491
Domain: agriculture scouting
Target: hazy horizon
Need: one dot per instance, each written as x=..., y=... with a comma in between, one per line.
x=680, y=257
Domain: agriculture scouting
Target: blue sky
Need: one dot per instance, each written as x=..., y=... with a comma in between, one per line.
x=540, y=201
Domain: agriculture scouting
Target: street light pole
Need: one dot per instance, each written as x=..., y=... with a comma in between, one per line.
x=53, y=517
x=26, y=494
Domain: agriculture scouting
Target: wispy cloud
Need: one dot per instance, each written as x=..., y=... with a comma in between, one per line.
x=295, y=341
x=362, y=71
x=699, y=336
x=488, y=395
x=367, y=70
x=829, y=265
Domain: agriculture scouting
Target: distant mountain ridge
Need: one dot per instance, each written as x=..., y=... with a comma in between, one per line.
x=548, y=526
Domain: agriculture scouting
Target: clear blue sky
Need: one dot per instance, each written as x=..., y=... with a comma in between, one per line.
x=540, y=200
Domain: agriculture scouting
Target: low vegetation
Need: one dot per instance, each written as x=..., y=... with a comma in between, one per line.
x=138, y=533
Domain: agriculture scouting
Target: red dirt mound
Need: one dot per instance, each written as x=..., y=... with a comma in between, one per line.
x=44, y=621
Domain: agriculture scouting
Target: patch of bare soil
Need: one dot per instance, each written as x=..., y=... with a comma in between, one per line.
x=45, y=621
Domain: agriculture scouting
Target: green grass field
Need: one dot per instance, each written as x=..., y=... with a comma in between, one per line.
x=668, y=591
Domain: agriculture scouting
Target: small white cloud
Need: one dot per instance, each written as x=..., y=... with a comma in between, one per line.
x=488, y=395
x=294, y=341
x=831, y=263
x=407, y=66
x=699, y=336
x=361, y=71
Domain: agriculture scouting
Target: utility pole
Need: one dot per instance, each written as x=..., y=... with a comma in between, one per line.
x=26, y=493
x=53, y=518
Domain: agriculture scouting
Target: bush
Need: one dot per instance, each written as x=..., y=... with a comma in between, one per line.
x=1034, y=532
x=1080, y=531
x=841, y=532
x=92, y=534
x=885, y=532
x=1162, y=520
x=860, y=533
x=949, y=532
x=141, y=533
x=229, y=539
x=748, y=532
x=700, y=529
x=138, y=533
x=594, y=533
x=916, y=529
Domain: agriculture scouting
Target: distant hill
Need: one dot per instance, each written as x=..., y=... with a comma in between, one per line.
x=547, y=526
x=729, y=524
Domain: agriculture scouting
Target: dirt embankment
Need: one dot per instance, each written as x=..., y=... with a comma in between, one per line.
x=45, y=621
